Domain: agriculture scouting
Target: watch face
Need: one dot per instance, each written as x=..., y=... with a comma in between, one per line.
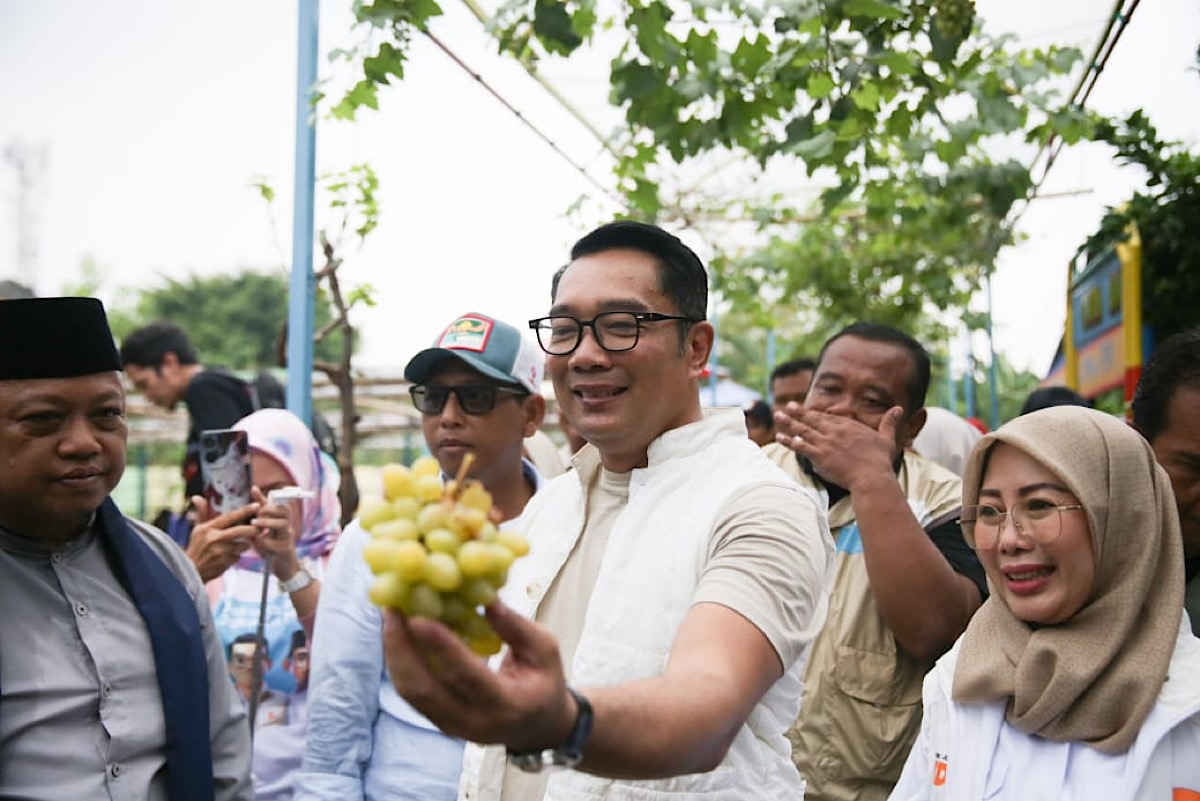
x=528, y=761
x=543, y=761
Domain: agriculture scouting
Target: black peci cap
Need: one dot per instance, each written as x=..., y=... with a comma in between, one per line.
x=55, y=338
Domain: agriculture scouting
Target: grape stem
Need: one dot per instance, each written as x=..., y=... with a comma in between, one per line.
x=463, y=469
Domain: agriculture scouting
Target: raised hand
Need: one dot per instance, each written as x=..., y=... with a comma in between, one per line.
x=842, y=450
x=277, y=532
x=217, y=541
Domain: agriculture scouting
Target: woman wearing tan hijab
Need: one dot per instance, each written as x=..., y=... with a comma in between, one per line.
x=1079, y=678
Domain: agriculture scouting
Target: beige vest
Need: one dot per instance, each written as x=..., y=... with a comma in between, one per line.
x=862, y=694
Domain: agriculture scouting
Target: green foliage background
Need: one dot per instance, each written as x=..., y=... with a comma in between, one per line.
x=233, y=319
x=891, y=109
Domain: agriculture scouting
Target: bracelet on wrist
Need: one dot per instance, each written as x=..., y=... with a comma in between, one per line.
x=299, y=580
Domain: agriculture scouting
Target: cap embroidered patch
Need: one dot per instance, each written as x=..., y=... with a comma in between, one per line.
x=467, y=333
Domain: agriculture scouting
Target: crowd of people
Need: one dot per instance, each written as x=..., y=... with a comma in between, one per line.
x=841, y=595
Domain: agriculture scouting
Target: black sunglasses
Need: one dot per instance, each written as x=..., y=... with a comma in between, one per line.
x=474, y=399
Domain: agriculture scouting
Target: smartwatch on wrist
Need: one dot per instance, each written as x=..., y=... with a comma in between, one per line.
x=567, y=755
x=297, y=582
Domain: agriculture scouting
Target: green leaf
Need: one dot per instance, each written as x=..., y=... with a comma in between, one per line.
x=814, y=148
x=866, y=97
x=419, y=12
x=644, y=197
x=701, y=48
x=999, y=114
x=649, y=25
x=264, y=191
x=634, y=81
x=834, y=196
x=1063, y=59
x=583, y=21
x=554, y=28
x=871, y=8
x=820, y=86
x=850, y=129
x=691, y=87
x=388, y=61
x=364, y=93
x=364, y=294
x=749, y=56
x=799, y=129
x=950, y=150
x=899, y=63
x=1072, y=124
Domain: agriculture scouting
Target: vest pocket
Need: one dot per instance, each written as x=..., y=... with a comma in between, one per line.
x=874, y=713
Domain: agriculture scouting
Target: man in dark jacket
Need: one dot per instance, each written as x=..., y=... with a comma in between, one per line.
x=161, y=362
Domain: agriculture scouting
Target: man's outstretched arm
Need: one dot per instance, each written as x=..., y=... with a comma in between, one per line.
x=684, y=721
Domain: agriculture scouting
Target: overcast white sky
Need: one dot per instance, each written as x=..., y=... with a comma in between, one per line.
x=156, y=116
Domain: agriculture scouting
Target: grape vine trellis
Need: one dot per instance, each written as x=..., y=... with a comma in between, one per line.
x=895, y=106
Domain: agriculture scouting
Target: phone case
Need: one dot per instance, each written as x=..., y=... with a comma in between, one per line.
x=225, y=466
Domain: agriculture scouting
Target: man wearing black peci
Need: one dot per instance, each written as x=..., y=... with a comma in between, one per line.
x=112, y=679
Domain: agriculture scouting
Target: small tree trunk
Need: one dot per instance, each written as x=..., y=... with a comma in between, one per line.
x=342, y=377
x=348, y=489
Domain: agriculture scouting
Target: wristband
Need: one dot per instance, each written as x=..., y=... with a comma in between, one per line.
x=299, y=581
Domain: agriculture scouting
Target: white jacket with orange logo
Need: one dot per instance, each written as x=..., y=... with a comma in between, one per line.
x=966, y=751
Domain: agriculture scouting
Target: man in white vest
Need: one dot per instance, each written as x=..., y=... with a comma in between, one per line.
x=657, y=630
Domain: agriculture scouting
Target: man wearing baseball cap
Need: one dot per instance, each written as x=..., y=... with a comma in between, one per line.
x=493, y=374
x=477, y=390
x=112, y=678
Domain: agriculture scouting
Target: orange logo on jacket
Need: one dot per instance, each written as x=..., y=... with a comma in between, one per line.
x=939, y=770
x=1184, y=794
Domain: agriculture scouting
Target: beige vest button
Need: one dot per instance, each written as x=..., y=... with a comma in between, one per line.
x=533, y=590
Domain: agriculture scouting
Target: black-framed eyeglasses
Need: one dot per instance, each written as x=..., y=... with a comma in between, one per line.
x=1039, y=520
x=615, y=331
x=474, y=399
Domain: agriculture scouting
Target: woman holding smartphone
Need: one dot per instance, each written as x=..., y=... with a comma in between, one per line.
x=292, y=539
x=295, y=536
x=1077, y=678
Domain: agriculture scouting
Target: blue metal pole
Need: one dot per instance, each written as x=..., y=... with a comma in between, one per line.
x=303, y=282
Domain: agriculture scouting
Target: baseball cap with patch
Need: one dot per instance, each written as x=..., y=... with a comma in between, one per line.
x=496, y=349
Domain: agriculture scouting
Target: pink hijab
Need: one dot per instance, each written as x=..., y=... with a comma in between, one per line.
x=282, y=436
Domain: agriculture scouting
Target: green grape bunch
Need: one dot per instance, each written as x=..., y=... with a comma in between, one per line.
x=954, y=18
x=437, y=551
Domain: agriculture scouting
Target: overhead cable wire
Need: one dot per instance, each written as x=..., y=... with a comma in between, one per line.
x=605, y=142
x=1054, y=33
x=1117, y=22
x=1124, y=19
x=520, y=116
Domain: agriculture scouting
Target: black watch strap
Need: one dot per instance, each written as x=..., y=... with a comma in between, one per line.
x=570, y=753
